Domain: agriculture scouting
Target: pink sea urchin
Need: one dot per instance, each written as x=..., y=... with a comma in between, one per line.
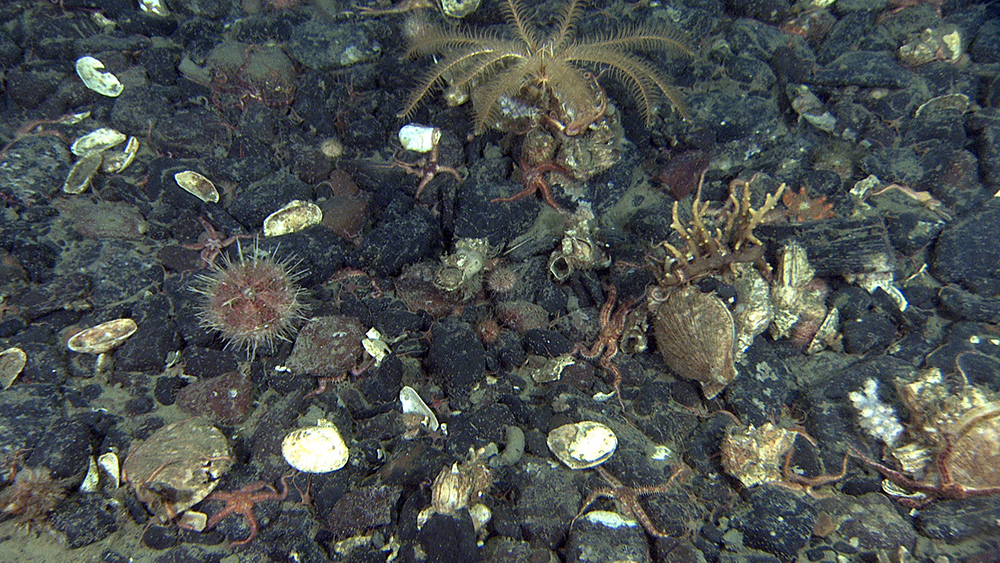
x=252, y=301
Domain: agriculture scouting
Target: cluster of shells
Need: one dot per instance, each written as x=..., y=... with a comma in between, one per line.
x=96, y=151
x=954, y=423
x=696, y=332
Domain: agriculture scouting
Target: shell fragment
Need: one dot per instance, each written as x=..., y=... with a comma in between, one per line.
x=197, y=185
x=293, y=217
x=115, y=162
x=103, y=337
x=92, y=72
x=413, y=404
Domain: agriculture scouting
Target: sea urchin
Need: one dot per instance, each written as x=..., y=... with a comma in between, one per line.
x=253, y=300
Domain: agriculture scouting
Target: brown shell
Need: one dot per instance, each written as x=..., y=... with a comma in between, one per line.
x=696, y=334
x=975, y=454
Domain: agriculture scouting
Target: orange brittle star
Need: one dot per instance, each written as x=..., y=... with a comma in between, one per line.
x=241, y=502
x=606, y=345
x=534, y=181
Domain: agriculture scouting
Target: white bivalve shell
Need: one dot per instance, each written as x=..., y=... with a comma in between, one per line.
x=315, y=449
x=419, y=138
x=91, y=72
x=582, y=445
x=292, y=218
x=103, y=337
x=96, y=141
x=197, y=185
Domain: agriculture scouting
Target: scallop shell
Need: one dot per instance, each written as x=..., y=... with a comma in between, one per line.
x=315, y=449
x=696, y=334
x=91, y=72
x=197, y=185
x=581, y=445
x=103, y=337
x=293, y=217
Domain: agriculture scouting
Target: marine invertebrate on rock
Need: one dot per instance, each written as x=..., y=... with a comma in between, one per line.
x=952, y=446
x=803, y=208
x=878, y=419
x=32, y=496
x=253, y=300
x=697, y=334
x=533, y=77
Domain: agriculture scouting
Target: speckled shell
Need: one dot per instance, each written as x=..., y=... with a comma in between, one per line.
x=82, y=173
x=315, y=449
x=581, y=445
x=459, y=8
x=103, y=337
x=293, y=217
x=97, y=140
x=696, y=334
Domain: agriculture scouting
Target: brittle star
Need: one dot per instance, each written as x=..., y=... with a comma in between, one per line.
x=627, y=498
x=213, y=244
x=606, y=345
x=242, y=501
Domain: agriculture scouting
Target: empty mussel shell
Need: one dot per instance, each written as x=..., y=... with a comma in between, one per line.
x=103, y=337
x=82, y=173
x=197, y=185
x=97, y=140
x=91, y=72
x=293, y=217
x=12, y=361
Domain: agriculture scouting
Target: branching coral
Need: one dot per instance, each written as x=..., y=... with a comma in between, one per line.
x=708, y=249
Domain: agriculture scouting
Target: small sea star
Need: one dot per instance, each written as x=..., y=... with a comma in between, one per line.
x=534, y=181
x=241, y=502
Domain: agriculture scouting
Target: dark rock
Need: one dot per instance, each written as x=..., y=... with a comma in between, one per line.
x=865, y=324
x=324, y=46
x=863, y=68
x=548, y=500
x=153, y=341
x=363, y=510
x=870, y=522
x=606, y=536
x=398, y=242
x=985, y=48
x=85, y=519
x=32, y=170
x=958, y=520
x=449, y=539
x=64, y=449
x=765, y=376
x=549, y=343
x=967, y=253
x=225, y=399
x=775, y=520
x=456, y=357
x=252, y=204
